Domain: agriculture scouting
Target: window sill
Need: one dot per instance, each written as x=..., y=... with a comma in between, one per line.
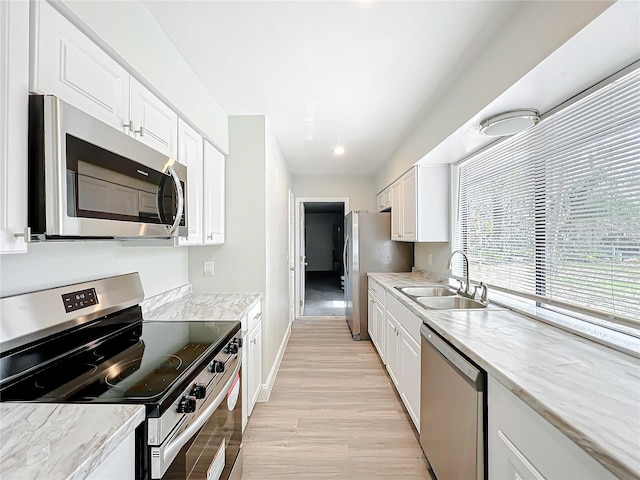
x=626, y=341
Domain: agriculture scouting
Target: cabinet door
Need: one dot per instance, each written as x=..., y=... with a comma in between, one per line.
x=371, y=318
x=66, y=63
x=396, y=211
x=433, y=203
x=410, y=376
x=214, y=195
x=393, y=349
x=120, y=463
x=14, y=89
x=380, y=330
x=409, y=206
x=380, y=202
x=153, y=122
x=190, y=154
x=255, y=365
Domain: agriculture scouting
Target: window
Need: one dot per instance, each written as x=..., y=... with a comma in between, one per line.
x=554, y=212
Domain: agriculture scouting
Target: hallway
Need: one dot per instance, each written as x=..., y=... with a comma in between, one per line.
x=323, y=295
x=333, y=414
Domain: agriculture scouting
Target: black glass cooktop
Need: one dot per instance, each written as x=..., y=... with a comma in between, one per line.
x=141, y=362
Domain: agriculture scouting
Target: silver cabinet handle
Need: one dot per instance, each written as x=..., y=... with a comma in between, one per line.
x=210, y=236
x=257, y=316
x=253, y=341
x=180, y=193
x=132, y=129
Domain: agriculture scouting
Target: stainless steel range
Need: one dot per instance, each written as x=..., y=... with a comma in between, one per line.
x=88, y=343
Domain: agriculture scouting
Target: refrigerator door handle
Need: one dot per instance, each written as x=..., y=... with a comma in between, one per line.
x=344, y=256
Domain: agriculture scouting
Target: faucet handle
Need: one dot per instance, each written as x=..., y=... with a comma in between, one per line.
x=460, y=284
x=485, y=291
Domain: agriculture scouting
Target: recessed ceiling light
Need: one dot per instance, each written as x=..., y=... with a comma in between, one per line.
x=339, y=150
x=509, y=123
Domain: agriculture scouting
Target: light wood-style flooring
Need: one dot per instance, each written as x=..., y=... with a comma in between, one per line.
x=333, y=414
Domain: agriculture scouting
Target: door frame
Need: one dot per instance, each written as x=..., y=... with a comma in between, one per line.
x=298, y=229
x=292, y=257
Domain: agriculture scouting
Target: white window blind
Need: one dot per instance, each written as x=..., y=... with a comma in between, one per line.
x=554, y=212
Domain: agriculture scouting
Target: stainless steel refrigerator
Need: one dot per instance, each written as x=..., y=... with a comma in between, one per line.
x=368, y=248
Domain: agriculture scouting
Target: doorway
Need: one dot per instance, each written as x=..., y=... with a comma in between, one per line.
x=320, y=242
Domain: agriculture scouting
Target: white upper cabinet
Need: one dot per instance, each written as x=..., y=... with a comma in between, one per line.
x=66, y=63
x=153, y=123
x=420, y=205
x=214, y=195
x=14, y=91
x=383, y=200
x=190, y=151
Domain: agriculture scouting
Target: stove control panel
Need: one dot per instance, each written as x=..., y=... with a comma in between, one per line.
x=82, y=298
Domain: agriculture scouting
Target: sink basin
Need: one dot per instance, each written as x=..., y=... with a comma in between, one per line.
x=427, y=291
x=449, y=303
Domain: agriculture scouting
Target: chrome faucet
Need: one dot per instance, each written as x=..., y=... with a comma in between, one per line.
x=467, y=288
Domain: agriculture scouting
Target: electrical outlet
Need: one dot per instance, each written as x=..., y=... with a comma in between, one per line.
x=429, y=259
x=208, y=268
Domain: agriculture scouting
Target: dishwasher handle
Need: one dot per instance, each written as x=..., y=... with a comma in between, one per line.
x=474, y=376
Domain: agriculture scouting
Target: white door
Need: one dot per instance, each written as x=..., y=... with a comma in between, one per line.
x=292, y=256
x=303, y=257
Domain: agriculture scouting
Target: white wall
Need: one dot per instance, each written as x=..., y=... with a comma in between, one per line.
x=319, y=240
x=54, y=264
x=278, y=183
x=513, y=52
x=128, y=30
x=360, y=190
x=439, y=257
x=239, y=264
x=254, y=257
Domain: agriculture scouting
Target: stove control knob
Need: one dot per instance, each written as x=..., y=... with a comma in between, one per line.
x=238, y=342
x=187, y=404
x=217, y=366
x=233, y=348
x=199, y=391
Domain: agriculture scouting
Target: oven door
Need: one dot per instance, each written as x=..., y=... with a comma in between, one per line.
x=211, y=447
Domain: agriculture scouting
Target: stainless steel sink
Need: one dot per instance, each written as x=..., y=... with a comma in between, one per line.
x=427, y=291
x=449, y=303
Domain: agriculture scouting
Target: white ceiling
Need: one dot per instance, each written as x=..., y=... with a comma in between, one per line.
x=328, y=72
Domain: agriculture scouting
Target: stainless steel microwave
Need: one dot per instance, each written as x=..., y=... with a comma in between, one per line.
x=87, y=180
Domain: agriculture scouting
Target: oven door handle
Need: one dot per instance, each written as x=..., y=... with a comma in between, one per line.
x=177, y=443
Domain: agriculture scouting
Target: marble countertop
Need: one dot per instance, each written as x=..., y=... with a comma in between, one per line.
x=589, y=392
x=61, y=442
x=200, y=306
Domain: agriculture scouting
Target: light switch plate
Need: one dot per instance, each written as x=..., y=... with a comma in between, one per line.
x=208, y=268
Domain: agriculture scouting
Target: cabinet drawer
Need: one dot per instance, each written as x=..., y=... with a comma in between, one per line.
x=377, y=291
x=405, y=317
x=253, y=316
x=522, y=444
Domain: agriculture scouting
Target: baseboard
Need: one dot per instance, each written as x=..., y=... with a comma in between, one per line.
x=265, y=389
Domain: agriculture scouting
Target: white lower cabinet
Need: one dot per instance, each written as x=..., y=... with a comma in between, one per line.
x=120, y=463
x=251, y=360
x=376, y=324
x=14, y=90
x=403, y=355
x=254, y=358
x=524, y=446
x=410, y=375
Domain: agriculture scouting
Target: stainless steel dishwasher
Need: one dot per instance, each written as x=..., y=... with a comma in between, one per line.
x=452, y=410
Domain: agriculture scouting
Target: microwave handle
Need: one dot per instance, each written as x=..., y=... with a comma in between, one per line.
x=180, y=193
